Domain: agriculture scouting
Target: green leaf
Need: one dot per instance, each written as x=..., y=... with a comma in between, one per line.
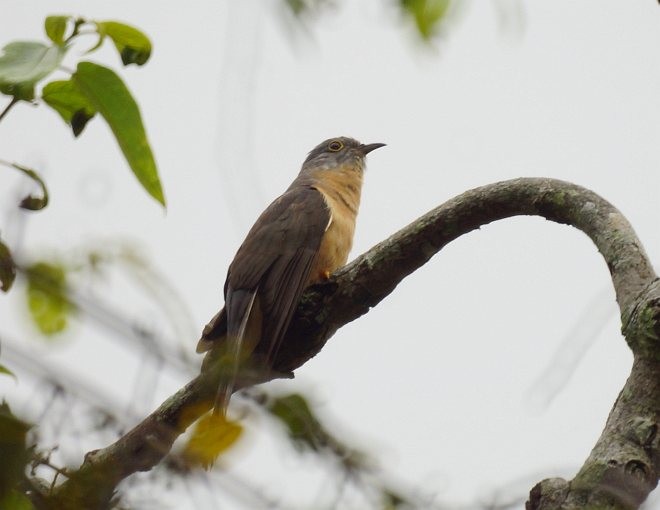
x=31, y=202
x=64, y=97
x=56, y=28
x=110, y=97
x=24, y=63
x=427, y=14
x=47, y=297
x=13, y=451
x=7, y=268
x=133, y=45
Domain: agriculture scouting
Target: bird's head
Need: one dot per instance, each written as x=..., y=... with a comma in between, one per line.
x=338, y=153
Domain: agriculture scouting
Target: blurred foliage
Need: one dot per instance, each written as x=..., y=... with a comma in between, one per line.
x=56, y=289
x=304, y=7
x=297, y=6
x=7, y=268
x=302, y=426
x=427, y=15
x=393, y=501
x=5, y=371
x=14, y=453
x=212, y=435
x=15, y=500
x=306, y=431
x=47, y=298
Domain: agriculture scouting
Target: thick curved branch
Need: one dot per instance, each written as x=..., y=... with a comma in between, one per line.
x=627, y=452
x=364, y=282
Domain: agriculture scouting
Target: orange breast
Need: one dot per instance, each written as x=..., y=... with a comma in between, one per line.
x=341, y=191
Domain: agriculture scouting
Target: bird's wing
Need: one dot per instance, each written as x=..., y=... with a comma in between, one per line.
x=273, y=263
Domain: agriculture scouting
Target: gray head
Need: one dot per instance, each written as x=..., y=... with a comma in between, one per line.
x=339, y=151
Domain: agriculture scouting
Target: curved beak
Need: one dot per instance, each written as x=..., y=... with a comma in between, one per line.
x=366, y=149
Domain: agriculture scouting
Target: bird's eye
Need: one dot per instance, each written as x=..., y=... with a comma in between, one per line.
x=335, y=146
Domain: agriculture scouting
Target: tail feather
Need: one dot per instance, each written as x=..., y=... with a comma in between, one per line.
x=236, y=328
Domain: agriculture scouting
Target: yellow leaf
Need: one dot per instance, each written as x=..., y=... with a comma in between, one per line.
x=212, y=436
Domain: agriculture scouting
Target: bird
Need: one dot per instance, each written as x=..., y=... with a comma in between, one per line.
x=300, y=239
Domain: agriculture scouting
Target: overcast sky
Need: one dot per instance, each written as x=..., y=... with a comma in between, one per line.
x=441, y=380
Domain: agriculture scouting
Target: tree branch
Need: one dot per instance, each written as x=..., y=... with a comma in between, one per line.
x=623, y=466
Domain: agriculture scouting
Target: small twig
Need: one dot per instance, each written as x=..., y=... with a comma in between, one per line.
x=44, y=460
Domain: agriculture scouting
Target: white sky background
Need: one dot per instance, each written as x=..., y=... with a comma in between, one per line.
x=436, y=380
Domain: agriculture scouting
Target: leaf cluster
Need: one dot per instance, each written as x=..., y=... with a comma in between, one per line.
x=89, y=90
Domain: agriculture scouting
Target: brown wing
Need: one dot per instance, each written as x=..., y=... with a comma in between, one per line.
x=274, y=263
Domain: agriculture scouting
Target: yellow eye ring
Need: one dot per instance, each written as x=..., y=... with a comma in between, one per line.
x=335, y=146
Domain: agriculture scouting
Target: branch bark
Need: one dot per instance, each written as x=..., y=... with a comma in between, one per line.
x=623, y=467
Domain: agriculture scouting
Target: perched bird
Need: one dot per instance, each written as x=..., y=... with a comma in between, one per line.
x=300, y=239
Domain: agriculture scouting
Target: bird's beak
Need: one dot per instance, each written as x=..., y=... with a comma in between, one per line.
x=366, y=149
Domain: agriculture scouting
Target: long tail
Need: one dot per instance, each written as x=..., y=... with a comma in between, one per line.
x=235, y=341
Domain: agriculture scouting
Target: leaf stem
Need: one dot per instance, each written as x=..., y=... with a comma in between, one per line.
x=13, y=101
x=76, y=29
